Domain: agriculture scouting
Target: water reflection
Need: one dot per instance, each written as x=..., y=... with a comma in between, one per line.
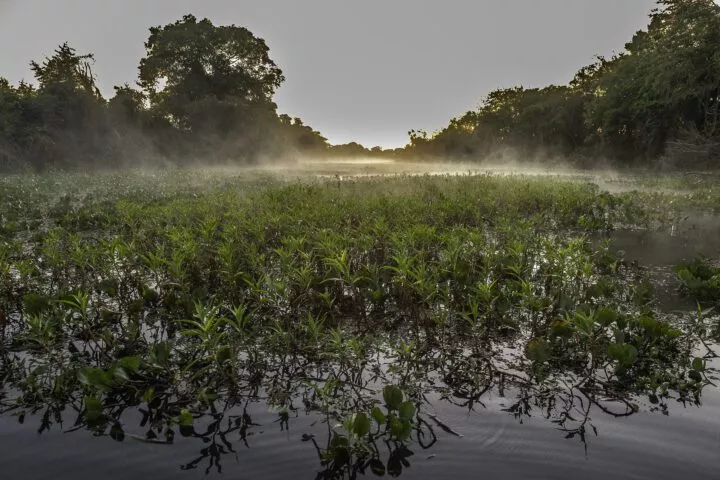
x=355, y=402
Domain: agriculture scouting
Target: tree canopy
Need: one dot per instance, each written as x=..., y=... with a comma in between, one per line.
x=205, y=92
x=194, y=70
x=659, y=96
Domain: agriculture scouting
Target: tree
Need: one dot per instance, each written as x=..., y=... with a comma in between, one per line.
x=667, y=80
x=209, y=79
x=71, y=110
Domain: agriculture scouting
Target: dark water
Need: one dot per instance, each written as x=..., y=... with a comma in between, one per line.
x=486, y=442
x=684, y=444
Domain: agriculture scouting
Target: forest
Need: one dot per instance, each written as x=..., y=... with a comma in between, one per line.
x=204, y=94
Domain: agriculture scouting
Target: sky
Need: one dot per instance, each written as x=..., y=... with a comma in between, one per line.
x=356, y=70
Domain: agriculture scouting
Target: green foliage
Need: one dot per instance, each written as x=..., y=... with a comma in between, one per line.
x=393, y=397
x=186, y=300
x=700, y=280
x=212, y=82
x=206, y=91
x=659, y=94
x=624, y=354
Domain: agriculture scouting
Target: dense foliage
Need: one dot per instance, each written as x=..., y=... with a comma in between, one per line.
x=147, y=306
x=205, y=92
x=658, y=96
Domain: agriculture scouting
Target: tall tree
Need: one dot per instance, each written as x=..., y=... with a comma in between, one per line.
x=207, y=78
x=667, y=80
x=71, y=108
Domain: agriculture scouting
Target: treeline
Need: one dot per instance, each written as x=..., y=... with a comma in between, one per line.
x=657, y=102
x=204, y=93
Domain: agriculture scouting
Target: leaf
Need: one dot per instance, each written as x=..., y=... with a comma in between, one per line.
x=361, y=424
x=584, y=323
x=339, y=441
x=224, y=354
x=538, y=350
x=185, y=419
x=561, y=328
x=403, y=430
x=393, y=397
x=698, y=364
x=407, y=410
x=95, y=377
x=117, y=433
x=377, y=467
x=624, y=354
x=396, y=427
x=93, y=409
x=378, y=416
x=605, y=316
x=119, y=374
x=131, y=364
x=148, y=395
x=619, y=335
x=160, y=353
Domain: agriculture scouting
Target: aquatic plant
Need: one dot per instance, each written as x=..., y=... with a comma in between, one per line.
x=151, y=306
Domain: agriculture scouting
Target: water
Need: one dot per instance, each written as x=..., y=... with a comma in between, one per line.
x=683, y=444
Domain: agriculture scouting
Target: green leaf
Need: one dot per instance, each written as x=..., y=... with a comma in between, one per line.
x=624, y=354
x=224, y=354
x=35, y=304
x=96, y=378
x=339, y=441
x=119, y=374
x=396, y=427
x=378, y=416
x=185, y=419
x=622, y=323
x=401, y=429
x=361, y=424
x=93, y=408
x=605, y=316
x=583, y=323
x=393, y=397
x=148, y=395
x=207, y=397
x=160, y=353
x=619, y=335
x=407, y=410
x=131, y=364
x=652, y=327
x=561, y=328
x=538, y=350
x=698, y=364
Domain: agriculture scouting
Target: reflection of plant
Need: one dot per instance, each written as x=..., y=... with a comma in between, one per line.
x=353, y=445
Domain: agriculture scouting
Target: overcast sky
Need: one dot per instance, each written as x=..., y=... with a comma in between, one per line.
x=364, y=70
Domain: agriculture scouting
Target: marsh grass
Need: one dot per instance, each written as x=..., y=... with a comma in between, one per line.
x=185, y=296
